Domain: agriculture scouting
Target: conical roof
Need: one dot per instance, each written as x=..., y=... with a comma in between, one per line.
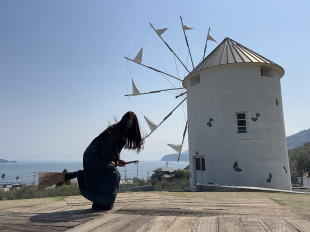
x=230, y=52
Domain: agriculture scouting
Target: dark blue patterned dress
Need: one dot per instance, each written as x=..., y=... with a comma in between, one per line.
x=99, y=181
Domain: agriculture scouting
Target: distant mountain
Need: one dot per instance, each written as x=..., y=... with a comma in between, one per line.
x=174, y=157
x=6, y=161
x=298, y=139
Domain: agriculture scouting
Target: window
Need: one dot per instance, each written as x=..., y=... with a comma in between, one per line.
x=241, y=122
x=203, y=165
x=200, y=164
x=195, y=80
x=266, y=71
x=277, y=102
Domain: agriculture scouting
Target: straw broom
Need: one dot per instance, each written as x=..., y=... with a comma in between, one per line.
x=47, y=179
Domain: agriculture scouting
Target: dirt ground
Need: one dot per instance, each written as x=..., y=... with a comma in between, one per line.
x=162, y=211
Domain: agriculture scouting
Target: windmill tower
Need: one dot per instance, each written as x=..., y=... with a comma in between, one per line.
x=235, y=120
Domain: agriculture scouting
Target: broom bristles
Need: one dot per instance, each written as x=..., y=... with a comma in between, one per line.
x=47, y=179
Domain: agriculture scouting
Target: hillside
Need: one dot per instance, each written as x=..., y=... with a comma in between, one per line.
x=6, y=161
x=298, y=139
x=174, y=157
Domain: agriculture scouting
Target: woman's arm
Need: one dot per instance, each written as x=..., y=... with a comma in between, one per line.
x=121, y=163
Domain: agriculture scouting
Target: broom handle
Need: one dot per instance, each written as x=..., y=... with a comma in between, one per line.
x=130, y=162
x=134, y=161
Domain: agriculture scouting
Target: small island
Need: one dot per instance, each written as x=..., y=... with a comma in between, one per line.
x=7, y=161
x=174, y=157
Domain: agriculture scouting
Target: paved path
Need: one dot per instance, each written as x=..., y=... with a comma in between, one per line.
x=153, y=212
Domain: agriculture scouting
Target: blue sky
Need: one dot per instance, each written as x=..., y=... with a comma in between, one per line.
x=63, y=75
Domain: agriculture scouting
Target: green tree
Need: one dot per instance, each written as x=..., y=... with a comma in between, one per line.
x=3, y=176
x=300, y=160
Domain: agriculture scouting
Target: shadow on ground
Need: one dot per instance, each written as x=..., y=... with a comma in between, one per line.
x=64, y=216
x=171, y=212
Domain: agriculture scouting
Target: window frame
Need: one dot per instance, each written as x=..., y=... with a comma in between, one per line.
x=201, y=163
x=241, y=129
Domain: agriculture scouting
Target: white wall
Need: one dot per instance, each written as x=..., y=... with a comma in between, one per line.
x=223, y=91
x=306, y=182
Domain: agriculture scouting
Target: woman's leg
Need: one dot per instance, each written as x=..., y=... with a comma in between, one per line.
x=113, y=186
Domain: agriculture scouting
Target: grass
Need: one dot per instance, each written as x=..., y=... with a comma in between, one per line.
x=61, y=198
x=280, y=202
x=179, y=182
x=297, y=203
x=28, y=192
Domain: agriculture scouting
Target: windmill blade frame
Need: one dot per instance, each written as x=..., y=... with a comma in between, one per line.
x=167, y=116
x=184, y=28
x=154, y=69
x=152, y=92
x=167, y=45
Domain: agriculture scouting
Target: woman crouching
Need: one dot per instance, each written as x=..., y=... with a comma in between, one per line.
x=99, y=181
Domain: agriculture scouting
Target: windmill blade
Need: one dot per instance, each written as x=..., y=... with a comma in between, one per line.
x=135, y=90
x=181, y=94
x=151, y=124
x=154, y=69
x=211, y=38
x=138, y=58
x=161, y=31
x=167, y=45
x=176, y=147
x=151, y=92
x=165, y=118
x=184, y=28
x=184, y=133
x=206, y=45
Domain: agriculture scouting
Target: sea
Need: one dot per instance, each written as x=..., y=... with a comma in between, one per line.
x=27, y=171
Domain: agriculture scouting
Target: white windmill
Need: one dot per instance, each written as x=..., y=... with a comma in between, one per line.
x=235, y=116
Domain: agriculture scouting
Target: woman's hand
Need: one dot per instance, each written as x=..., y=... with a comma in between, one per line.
x=121, y=163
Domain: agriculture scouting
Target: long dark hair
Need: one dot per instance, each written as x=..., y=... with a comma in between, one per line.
x=130, y=131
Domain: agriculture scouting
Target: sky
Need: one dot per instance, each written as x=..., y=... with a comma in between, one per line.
x=63, y=75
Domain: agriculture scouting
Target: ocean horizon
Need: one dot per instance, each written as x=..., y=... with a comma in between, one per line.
x=27, y=170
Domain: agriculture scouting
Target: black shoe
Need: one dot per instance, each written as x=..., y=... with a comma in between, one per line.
x=97, y=207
